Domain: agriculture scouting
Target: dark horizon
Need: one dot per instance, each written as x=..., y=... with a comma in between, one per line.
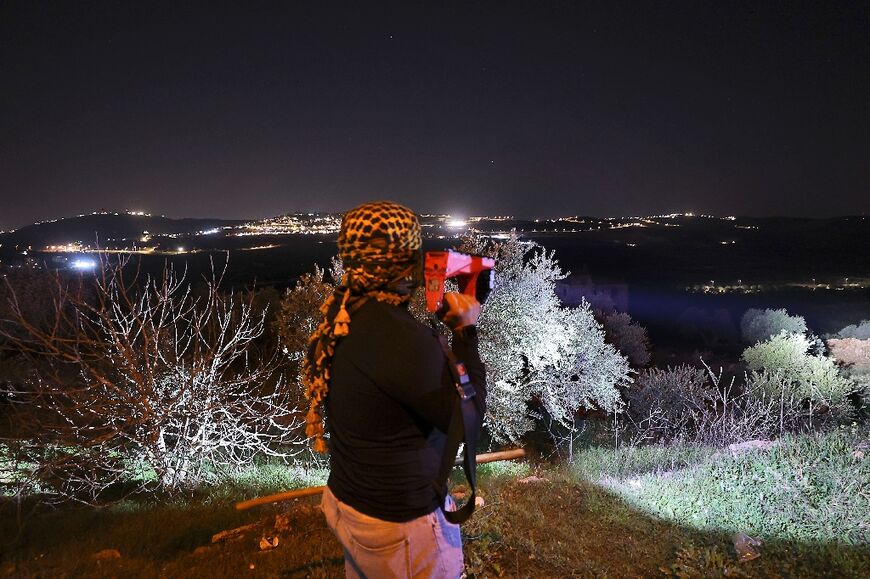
x=465, y=109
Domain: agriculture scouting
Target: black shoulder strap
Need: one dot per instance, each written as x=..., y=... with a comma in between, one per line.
x=462, y=428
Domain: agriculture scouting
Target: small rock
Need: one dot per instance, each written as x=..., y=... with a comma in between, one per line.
x=267, y=543
x=252, y=566
x=858, y=455
x=107, y=554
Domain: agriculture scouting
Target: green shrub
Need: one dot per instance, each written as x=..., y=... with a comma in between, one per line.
x=860, y=331
x=759, y=325
x=808, y=384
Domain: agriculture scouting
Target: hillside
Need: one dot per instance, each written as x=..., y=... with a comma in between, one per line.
x=97, y=228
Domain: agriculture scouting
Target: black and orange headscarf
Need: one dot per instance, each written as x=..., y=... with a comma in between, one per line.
x=380, y=247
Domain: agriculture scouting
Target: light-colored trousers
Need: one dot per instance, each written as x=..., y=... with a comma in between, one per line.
x=426, y=547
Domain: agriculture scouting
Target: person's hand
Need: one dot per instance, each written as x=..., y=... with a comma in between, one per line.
x=462, y=310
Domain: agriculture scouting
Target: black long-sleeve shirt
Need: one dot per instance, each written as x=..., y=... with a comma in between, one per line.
x=390, y=397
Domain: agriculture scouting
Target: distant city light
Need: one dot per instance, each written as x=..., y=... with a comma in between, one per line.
x=83, y=264
x=457, y=223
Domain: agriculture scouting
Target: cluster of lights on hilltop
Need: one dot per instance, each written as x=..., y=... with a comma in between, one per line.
x=690, y=214
x=741, y=287
x=58, y=219
x=294, y=224
x=74, y=247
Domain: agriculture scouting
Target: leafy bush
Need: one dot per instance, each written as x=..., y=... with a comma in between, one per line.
x=851, y=353
x=627, y=336
x=759, y=325
x=299, y=312
x=810, y=384
x=860, y=331
x=853, y=356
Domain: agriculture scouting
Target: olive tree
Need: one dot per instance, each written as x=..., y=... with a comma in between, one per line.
x=537, y=351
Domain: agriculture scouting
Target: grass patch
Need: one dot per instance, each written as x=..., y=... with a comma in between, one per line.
x=809, y=488
x=553, y=525
x=264, y=479
x=598, y=462
x=503, y=469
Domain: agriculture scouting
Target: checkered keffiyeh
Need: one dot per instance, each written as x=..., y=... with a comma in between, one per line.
x=380, y=247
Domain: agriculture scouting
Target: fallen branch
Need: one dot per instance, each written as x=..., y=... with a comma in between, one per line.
x=310, y=491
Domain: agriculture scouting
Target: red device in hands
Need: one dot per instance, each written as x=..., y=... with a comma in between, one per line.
x=473, y=272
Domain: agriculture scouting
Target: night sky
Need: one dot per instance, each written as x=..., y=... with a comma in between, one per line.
x=532, y=109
